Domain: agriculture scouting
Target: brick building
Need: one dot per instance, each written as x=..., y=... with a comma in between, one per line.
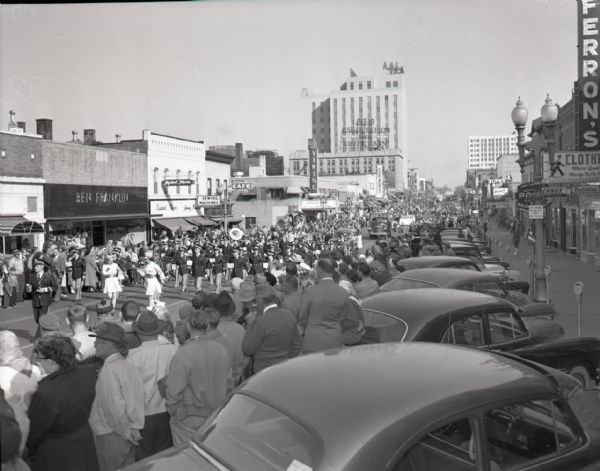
x=21, y=188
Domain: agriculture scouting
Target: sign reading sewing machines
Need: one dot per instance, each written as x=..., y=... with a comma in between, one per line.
x=572, y=167
x=206, y=200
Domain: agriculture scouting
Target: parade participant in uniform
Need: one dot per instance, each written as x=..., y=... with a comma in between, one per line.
x=154, y=276
x=111, y=272
x=185, y=263
x=199, y=263
x=41, y=289
x=218, y=267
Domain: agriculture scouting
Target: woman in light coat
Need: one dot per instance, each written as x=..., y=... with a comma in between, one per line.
x=91, y=270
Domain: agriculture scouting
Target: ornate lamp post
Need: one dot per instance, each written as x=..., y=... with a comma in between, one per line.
x=519, y=118
x=222, y=192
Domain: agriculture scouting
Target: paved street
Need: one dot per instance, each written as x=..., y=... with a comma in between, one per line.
x=566, y=270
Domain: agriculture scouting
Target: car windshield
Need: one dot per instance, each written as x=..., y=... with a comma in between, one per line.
x=398, y=284
x=249, y=434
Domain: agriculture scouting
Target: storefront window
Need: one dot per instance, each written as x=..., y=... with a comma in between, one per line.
x=209, y=186
x=191, y=178
x=128, y=230
x=596, y=231
x=197, y=183
x=178, y=176
x=156, y=177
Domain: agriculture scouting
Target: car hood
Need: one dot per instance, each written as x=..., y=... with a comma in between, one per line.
x=562, y=346
x=543, y=330
x=179, y=458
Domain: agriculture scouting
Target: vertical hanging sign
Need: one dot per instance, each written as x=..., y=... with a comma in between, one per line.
x=379, y=181
x=313, y=168
x=587, y=85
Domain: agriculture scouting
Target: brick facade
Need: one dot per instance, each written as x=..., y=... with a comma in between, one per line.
x=87, y=165
x=20, y=155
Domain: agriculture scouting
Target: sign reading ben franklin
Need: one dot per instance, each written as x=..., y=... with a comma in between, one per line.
x=65, y=201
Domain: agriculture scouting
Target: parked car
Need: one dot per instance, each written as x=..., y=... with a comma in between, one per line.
x=440, y=261
x=469, y=280
x=464, y=263
x=396, y=407
x=475, y=319
x=470, y=250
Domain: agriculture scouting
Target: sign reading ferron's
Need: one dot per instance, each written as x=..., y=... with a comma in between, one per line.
x=67, y=201
x=587, y=86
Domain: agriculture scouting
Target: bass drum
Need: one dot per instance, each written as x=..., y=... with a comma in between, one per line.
x=236, y=233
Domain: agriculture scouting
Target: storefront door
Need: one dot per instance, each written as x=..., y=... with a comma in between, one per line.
x=563, y=229
x=98, y=233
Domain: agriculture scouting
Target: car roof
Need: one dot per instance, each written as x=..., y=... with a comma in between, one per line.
x=445, y=276
x=397, y=387
x=433, y=260
x=421, y=305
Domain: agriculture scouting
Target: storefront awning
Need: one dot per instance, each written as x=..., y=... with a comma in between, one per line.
x=18, y=225
x=173, y=224
x=201, y=221
x=230, y=220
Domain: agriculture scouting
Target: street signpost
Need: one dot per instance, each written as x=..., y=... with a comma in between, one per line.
x=547, y=273
x=578, y=290
x=536, y=211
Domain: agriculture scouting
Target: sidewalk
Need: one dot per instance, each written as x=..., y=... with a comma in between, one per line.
x=566, y=270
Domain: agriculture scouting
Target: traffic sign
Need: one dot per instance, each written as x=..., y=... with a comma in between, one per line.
x=536, y=211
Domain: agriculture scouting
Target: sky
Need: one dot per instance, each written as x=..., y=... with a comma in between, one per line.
x=233, y=71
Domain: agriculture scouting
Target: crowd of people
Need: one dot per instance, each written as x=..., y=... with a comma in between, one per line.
x=142, y=378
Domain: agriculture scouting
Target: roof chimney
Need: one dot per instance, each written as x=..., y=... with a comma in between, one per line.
x=12, y=124
x=89, y=137
x=44, y=128
x=22, y=126
x=75, y=139
x=118, y=138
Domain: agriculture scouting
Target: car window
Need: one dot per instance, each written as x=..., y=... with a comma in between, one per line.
x=381, y=327
x=398, y=284
x=464, y=266
x=467, y=331
x=249, y=434
x=505, y=326
x=491, y=287
x=449, y=448
x=520, y=434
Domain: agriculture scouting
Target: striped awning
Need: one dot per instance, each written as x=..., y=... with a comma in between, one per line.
x=18, y=225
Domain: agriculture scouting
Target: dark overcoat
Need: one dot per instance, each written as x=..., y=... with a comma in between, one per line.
x=60, y=436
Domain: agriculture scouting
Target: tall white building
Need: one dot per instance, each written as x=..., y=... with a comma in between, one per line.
x=485, y=150
x=361, y=125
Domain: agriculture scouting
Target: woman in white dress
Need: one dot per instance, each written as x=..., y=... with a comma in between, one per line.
x=154, y=277
x=112, y=286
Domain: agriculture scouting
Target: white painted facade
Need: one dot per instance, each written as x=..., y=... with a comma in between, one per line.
x=171, y=159
x=484, y=150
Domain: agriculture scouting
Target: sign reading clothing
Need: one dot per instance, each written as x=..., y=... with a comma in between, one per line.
x=587, y=86
x=64, y=201
x=573, y=167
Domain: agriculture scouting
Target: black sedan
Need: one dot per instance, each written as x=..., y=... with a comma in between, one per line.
x=474, y=319
x=469, y=280
x=396, y=407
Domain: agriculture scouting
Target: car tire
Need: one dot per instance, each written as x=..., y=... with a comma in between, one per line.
x=581, y=374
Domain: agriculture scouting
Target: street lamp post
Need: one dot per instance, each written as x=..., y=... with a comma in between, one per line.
x=222, y=190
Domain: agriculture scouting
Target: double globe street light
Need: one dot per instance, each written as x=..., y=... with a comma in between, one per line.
x=549, y=114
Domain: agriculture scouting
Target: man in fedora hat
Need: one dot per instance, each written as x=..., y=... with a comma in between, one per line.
x=272, y=335
x=117, y=415
x=230, y=329
x=17, y=262
x=153, y=358
x=323, y=309
x=197, y=380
